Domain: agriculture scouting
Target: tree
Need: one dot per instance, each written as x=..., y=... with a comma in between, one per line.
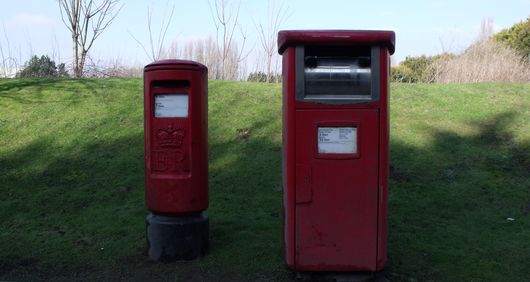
x=226, y=20
x=8, y=64
x=204, y=51
x=516, y=37
x=486, y=29
x=157, y=51
x=86, y=20
x=42, y=67
x=268, y=36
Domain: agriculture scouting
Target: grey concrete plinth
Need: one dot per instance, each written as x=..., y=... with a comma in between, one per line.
x=172, y=238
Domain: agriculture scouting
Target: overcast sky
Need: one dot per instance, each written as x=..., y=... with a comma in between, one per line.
x=422, y=27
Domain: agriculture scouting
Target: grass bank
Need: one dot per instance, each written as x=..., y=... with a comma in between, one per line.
x=71, y=177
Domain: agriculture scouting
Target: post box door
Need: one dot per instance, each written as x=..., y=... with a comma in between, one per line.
x=337, y=188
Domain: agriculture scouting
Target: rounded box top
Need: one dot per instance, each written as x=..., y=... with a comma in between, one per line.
x=175, y=65
x=287, y=38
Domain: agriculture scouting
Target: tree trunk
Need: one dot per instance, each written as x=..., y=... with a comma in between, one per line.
x=78, y=15
x=75, y=57
x=82, y=62
x=269, y=61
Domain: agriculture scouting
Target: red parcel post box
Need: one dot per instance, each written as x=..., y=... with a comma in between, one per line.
x=176, y=159
x=335, y=148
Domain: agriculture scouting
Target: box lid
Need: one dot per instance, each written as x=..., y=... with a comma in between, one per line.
x=175, y=65
x=287, y=38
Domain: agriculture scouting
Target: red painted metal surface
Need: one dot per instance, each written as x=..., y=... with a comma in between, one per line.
x=335, y=208
x=337, y=227
x=176, y=148
x=289, y=38
x=288, y=160
x=384, y=146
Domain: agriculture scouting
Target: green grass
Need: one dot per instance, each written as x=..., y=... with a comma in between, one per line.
x=71, y=179
x=460, y=167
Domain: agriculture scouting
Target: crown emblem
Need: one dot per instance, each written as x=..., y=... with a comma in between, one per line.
x=170, y=137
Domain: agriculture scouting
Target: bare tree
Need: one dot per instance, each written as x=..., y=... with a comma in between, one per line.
x=486, y=29
x=226, y=20
x=9, y=65
x=207, y=53
x=56, y=52
x=268, y=34
x=173, y=51
x=86, y=20
x=203, y=51
x=156, y=49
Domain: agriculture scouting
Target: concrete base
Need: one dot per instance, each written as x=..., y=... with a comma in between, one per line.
x=171, y=238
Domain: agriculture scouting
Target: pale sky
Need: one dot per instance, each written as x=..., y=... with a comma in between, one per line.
x=422, y=27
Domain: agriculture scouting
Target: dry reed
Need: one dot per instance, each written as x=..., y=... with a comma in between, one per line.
x=484, y=61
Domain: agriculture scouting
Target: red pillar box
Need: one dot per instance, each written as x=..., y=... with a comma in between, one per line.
x=176, y=159
x=335, y=148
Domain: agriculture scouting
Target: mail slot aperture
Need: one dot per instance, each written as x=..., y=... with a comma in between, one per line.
x=337, y=74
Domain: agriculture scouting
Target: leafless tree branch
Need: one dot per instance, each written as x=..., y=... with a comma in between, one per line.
x=225, y=16
x=86, y=20
x=268, y=34
x=156, y=49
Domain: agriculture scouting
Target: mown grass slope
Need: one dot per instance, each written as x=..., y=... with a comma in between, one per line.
x=71, y=179
x=460, y=171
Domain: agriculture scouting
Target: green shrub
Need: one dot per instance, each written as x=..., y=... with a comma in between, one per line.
x=262, y=77
x=61, y=70
x=402, y=73
x=417, y=66
x=516, y=37
x=419, y=69
x=257, y=77
x=42, y=67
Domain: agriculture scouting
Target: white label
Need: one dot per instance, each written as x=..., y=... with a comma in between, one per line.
x=337, y=140
x=172, y=105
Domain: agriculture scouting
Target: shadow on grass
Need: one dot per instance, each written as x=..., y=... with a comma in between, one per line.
x=11, y=89
x=70, y=208
x=452, y=204
x=77, y=212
